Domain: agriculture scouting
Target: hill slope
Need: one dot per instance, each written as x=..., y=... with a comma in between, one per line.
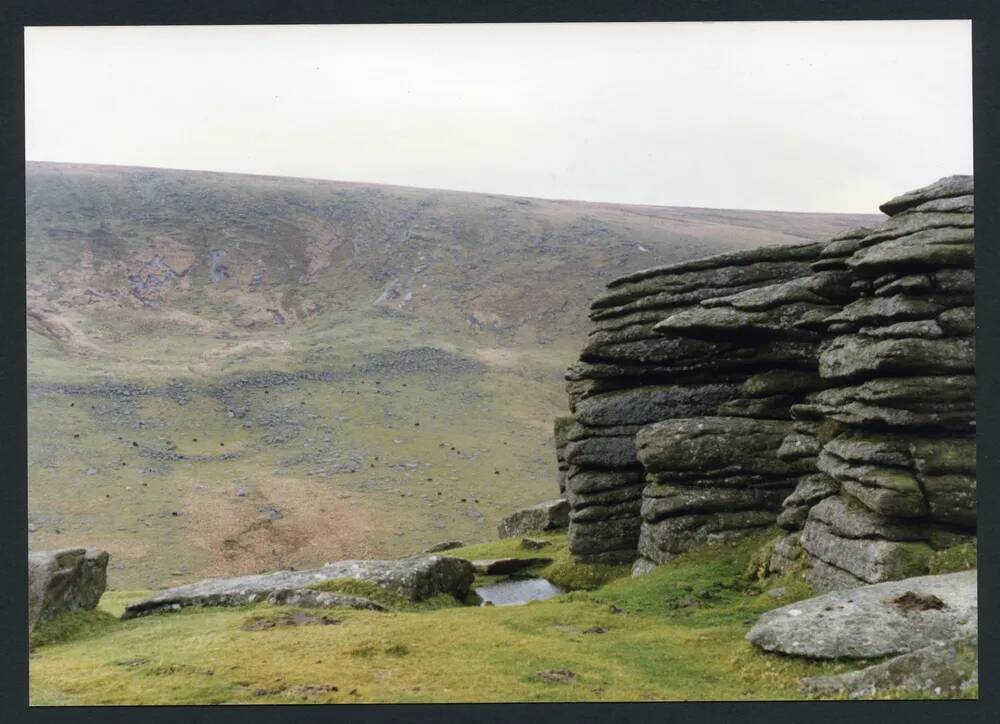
x=230, y=373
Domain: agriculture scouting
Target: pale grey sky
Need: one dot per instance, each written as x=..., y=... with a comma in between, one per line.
x=797, y=116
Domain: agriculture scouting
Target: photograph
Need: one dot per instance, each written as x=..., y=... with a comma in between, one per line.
x=439, y=363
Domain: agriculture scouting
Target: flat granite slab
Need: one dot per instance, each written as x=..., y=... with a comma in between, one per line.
x=416, y=578
x=868, y=622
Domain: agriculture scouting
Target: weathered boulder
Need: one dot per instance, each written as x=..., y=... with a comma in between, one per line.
x=416, y=578
x=69, y=579
x=872, y=621
x=941, y=669
x=550, y=515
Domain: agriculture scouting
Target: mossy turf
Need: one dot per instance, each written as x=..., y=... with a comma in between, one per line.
x=950, y=560
x=388, y=598
x=675, y=634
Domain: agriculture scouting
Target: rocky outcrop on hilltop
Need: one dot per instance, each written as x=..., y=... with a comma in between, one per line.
x=70, y=579
x=827, y=387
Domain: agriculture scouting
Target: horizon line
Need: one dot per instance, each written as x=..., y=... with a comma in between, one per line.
x=876, y=212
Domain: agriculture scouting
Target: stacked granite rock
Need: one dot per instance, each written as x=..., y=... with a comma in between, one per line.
x=722, y=476
x=832, y=382
x=895, y=428
x=727, y=338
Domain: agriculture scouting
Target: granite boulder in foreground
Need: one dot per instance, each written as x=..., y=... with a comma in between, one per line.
x=416, y=578
x=70, y=579
x=884, y=619
x=945, y=668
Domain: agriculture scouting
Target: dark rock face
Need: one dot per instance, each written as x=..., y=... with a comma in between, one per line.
x=417, y=578
x=709, y=479
x=827, y=387
x=722, y=341
x=550, y=515
x=559, y=430
x=71, y=579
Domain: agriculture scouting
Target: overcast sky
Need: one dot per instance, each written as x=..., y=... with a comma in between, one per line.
x=824, y=116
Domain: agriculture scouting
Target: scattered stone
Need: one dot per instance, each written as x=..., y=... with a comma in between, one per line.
x=271, y=512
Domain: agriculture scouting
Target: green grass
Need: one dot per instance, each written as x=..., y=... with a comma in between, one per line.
x=448, y=476
x=675, y=634
x=387, y=597
x=950, y=560
x=72, y=626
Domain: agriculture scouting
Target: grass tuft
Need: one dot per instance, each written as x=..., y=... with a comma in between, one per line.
x=387, y=597
x=71, y=626
x=951, y=560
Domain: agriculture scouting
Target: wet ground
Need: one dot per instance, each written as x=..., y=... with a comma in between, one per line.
x=516, y=592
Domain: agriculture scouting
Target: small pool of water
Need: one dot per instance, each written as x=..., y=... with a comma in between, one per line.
x=516, y=592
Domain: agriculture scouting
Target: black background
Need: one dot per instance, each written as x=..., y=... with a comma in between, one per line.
x=985, y=15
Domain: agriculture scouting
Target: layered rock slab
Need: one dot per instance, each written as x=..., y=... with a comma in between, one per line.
x=416, y=578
